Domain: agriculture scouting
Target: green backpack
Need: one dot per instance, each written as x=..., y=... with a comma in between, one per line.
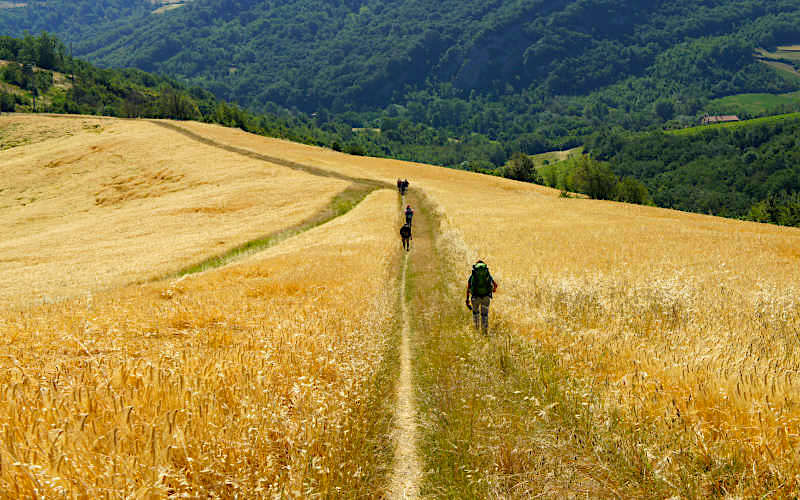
x=481, y=285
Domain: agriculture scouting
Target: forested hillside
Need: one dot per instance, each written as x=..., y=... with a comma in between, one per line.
x=71, y=20
x=539, y=74
x=749, y=170
x=37, y=74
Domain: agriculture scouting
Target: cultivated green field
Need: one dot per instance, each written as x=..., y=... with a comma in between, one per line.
x=555, y=156
x=743, y=123
x=790, y=52
x=784, y=59
x=754, y=104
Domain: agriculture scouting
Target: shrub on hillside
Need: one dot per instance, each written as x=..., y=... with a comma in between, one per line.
x=780, y=209
x=7, y=102
x=631, y=190
x=521, y=168
x=594, y=178
x=355, y=149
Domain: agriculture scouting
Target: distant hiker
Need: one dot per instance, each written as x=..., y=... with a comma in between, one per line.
x=481, y=286
x=400, y=186
x=405, y=185
x=405, y=233
x=409, y=214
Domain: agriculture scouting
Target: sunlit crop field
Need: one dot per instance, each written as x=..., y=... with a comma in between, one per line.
x=682, y=321
x=251, y=379
x=88, y=204
x=245, y=381
x=679, y=321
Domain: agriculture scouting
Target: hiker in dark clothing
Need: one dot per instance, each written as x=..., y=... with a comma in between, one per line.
x=480, y=286
x=409, y=214
x=405, y=233
x=400, y=186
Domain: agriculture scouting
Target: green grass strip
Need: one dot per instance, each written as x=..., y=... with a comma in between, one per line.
x=735, y=125
x=340, y=205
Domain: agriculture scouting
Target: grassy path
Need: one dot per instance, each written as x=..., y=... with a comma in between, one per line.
x=407, y=470
x=340, y=205
x=498, y=418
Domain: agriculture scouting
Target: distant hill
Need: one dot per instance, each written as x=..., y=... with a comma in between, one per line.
x=37, y=75
x=502, y=69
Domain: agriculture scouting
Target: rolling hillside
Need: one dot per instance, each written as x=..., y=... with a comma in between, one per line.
x=633, y=351
x=92, y=195
x=728, y=169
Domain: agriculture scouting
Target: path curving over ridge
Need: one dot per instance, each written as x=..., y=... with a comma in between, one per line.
x=340, y=205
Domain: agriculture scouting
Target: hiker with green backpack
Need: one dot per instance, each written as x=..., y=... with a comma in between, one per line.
x=480, y=286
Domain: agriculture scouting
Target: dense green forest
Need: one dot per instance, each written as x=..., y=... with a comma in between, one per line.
x=456, y=82
x=71, y=20
x=40, y=76
x=749, y=170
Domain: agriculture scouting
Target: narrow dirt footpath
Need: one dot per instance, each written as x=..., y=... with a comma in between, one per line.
x=407, y=469
x=407, y=472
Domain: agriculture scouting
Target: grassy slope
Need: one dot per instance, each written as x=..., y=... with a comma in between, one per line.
x=75, y=190
x=60, y=85
x=555, y=156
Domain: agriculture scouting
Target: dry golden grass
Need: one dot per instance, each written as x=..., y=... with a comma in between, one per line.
x=684, y=321
x=244, y=382
x=681, y=320
x=688, y=324
x=91, y=203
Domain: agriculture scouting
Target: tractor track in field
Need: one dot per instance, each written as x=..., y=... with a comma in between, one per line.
x=309, y=169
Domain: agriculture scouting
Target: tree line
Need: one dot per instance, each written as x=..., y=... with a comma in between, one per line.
x=32, y=62
x=749, y=171
x=453, y=82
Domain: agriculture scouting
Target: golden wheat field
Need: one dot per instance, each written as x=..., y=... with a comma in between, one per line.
x=250, y=379
x=682, y=319
x=87, y=203
x=247, y=381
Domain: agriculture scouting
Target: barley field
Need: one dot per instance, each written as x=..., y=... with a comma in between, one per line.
x=253, y=379
x=678, y=320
